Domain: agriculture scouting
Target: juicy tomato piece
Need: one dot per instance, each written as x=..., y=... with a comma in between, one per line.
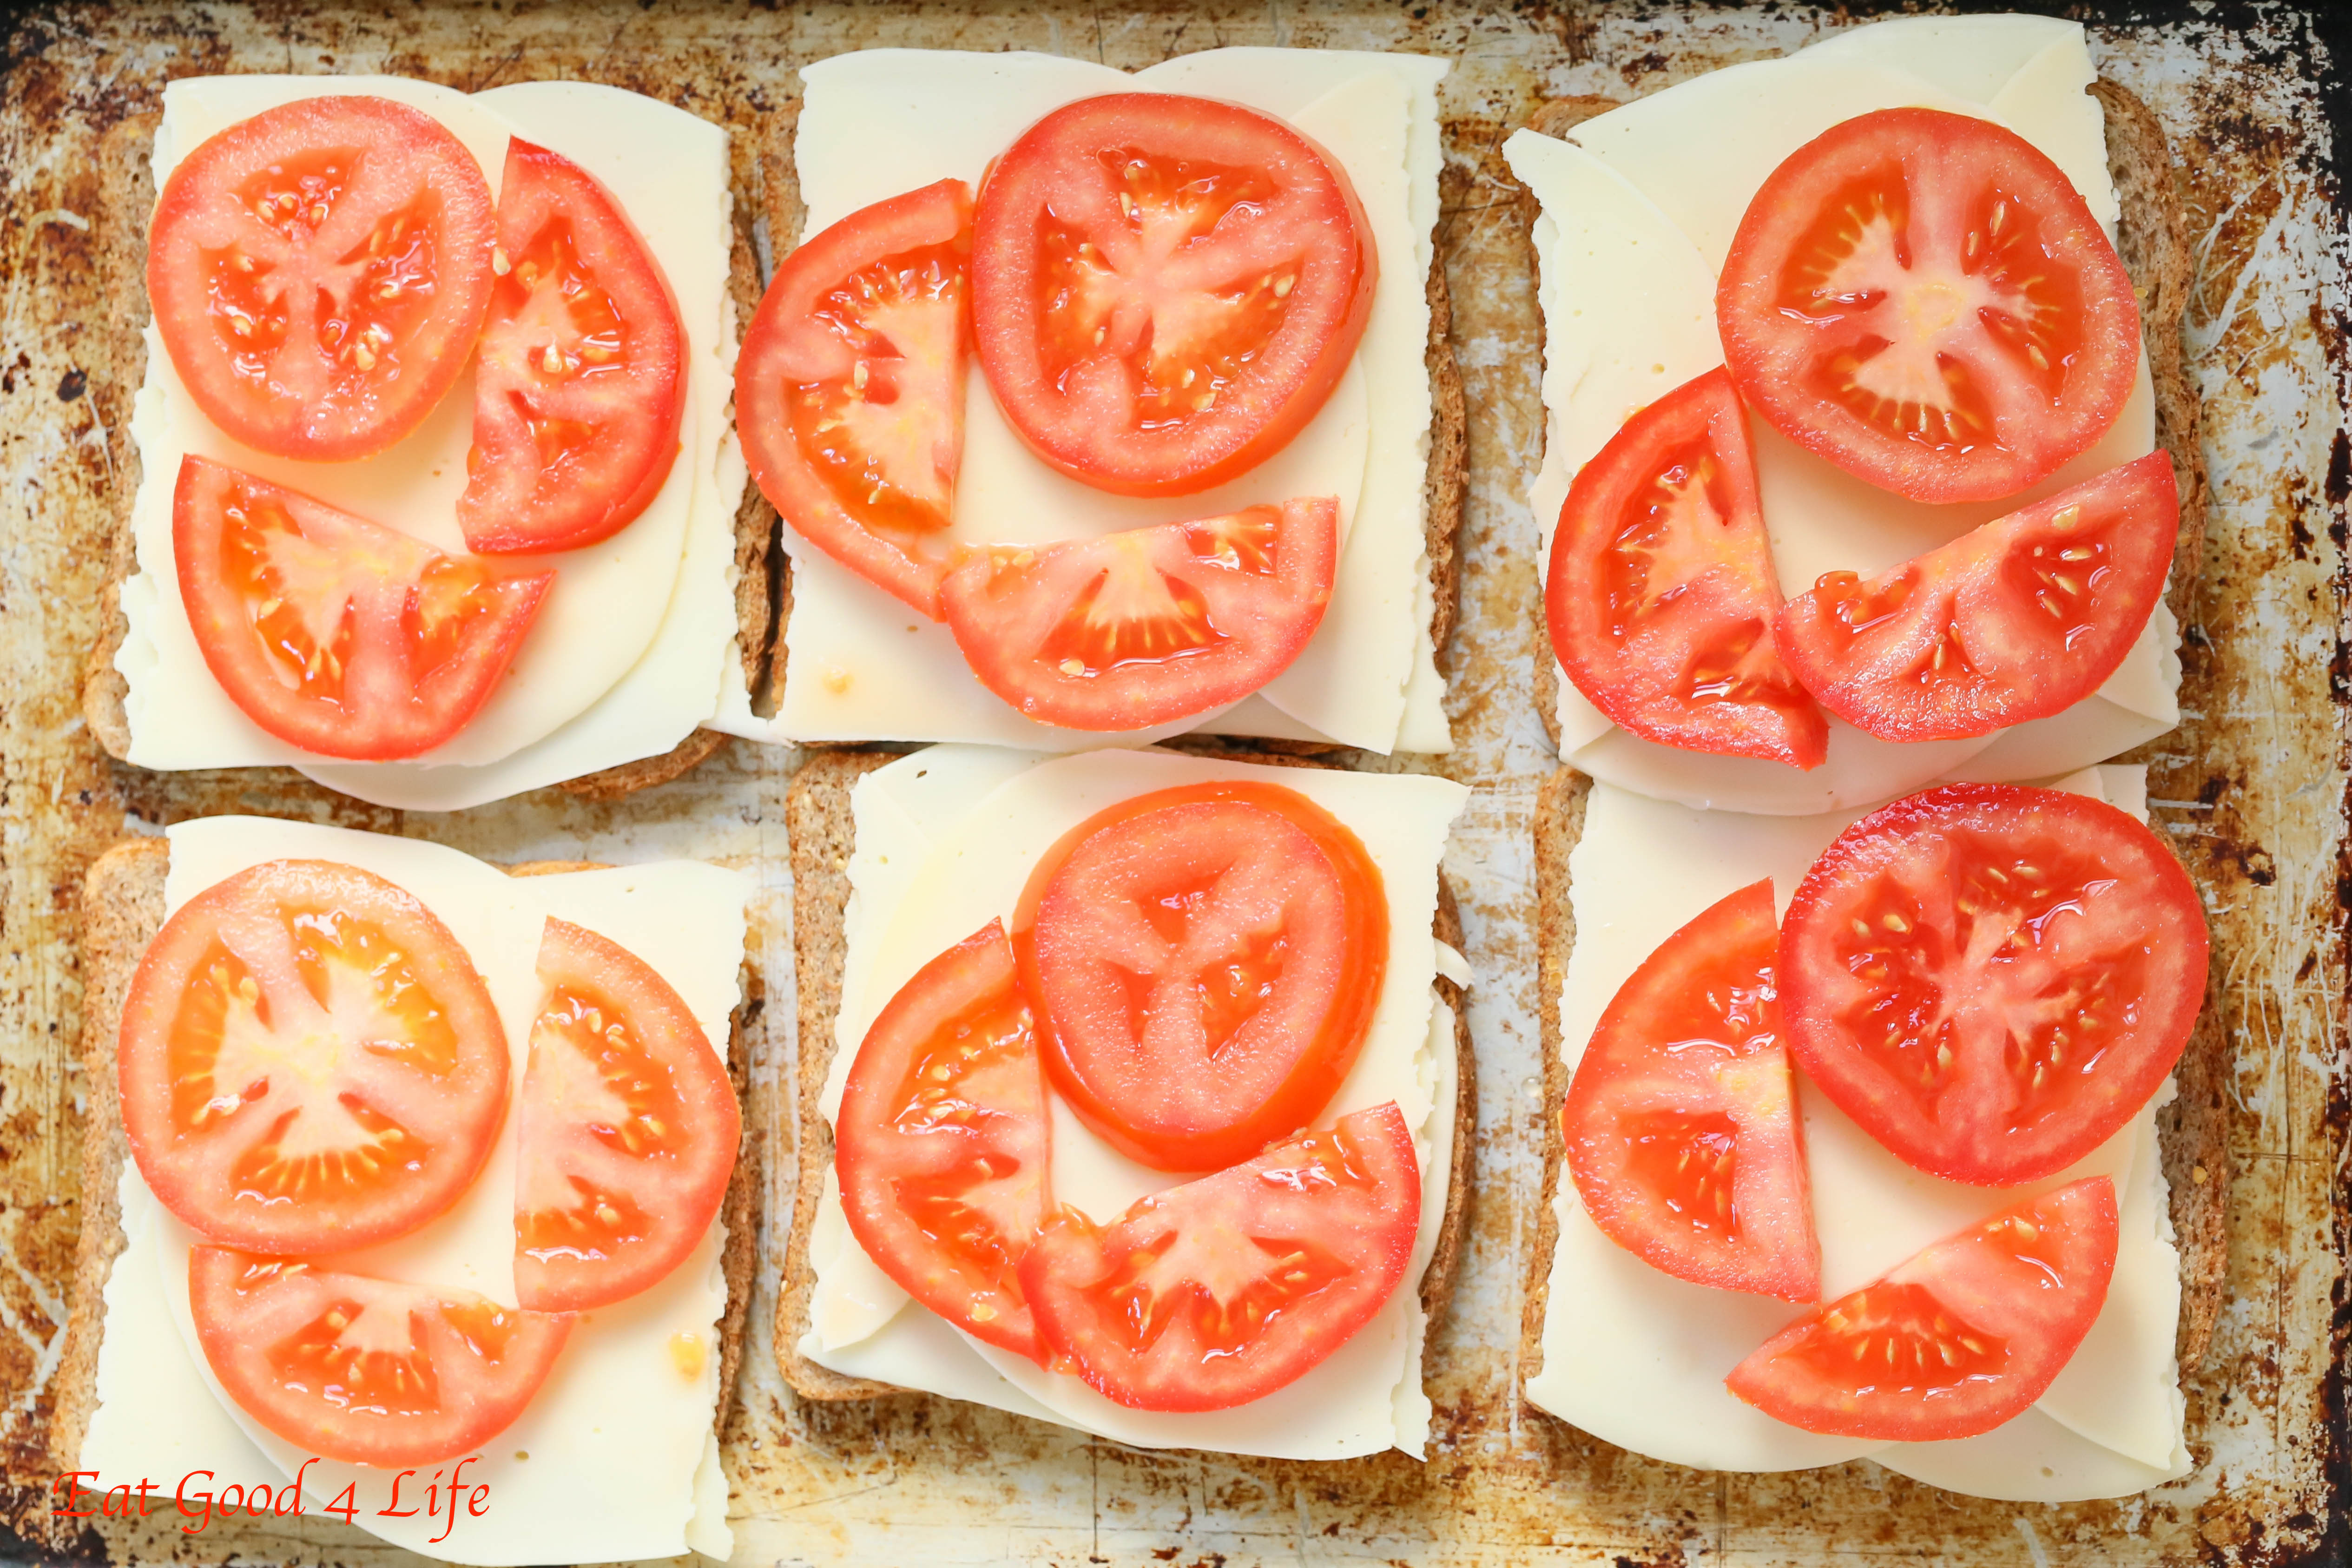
x=626, y=1133
x=2021, y=618
x=942, y=1142
x=1219, y=1292
x=1681, y=1124
x=849, y=388
x=1955, y=1341
x=1991, y=980
x=1660, y=594
x=581, y=385
x=1922, y=298
x=1206, y=962
x=366, y=1371
x=308, y=1061
x=1166, y=288
x=334, y=634
x=1152, y=625
x=318, y=273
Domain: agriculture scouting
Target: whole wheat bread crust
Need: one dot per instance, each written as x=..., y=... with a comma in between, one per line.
x=822, y=828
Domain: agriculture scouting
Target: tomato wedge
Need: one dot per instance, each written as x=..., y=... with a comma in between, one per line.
x=319, y=272
x=1152, y=625
x=1957, y=1339
x=2020, y=619
x=581, y=385
x=1660, y=594
x=308, y=1061
x=366, y=1371
x=1165, y=290
x=1206, y=962
x=1219, y=1292
x=1991, y=980
x=849, y=388
x=626, y=1133
x=334, y=634
x=1922, y=298
x=1680, y=1125
x=942, y=1142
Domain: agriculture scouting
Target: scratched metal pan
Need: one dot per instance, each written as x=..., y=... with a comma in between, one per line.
x=2251, y=789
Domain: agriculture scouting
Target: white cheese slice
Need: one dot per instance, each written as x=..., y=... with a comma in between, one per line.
x=610, y=616
x=945, y=839
x=626, y=1416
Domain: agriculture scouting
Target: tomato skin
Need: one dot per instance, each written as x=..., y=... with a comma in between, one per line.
x=1174, y=1099
x=1347, y=1198
x=865, y=328
x=1689, y=1056
x=1978, y=256
x=1937, y=928
x=1976, y=1326
x=1076, y=398
x=1148, y=625
x=2016, y=620
x=1690, y=664
x=339, y=173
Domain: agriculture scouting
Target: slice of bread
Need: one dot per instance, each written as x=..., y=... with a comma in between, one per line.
x=823, y=830
x=121, y=910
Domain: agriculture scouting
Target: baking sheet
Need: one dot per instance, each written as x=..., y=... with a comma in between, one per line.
x=2251, y=789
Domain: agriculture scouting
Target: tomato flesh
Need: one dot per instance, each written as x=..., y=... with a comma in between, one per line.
x=1957, y=1339
x=1923, y=300
x=1991, y=980
x=1681, y=1124
x=1222, y=1290
x=1149, y=625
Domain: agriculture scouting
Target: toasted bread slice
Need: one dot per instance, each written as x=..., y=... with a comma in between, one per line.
x=823, y=830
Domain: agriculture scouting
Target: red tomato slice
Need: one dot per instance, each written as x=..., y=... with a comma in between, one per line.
x=1219, y=1292
x=1205, y=961
x=849, y=388
x=626, y=1133
x=1922, y=298
x=334, y=634
x=581, y=385
x=1165, y=288
x=318, y=273
x=1993, y=979
x=1680, y=1125
x=1661, y=595
x=1959, y=1339
x=942, y=1142
x=2020, y=619
x=366, y=1371
x=308, y=1061
x=1139, y=629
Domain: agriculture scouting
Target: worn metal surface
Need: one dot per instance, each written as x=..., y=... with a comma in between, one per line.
x=2251, y=788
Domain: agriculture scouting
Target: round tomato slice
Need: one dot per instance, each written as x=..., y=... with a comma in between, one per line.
x=1660, y=594
x=626, y=1133
x=2020, y=619
x=580, y=384
x=308, y=1061
x=334, y=634
x=942, y=1140
x=1957, y=1339
x=1219, y=1292
x=1922, y=298
x=849, y=388
x=1991, y=980
x=1205, y=961
x=1139, y=629
x=1681, y=1124
x=366, y=1371
x=1165, y=288
x=318, y=273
